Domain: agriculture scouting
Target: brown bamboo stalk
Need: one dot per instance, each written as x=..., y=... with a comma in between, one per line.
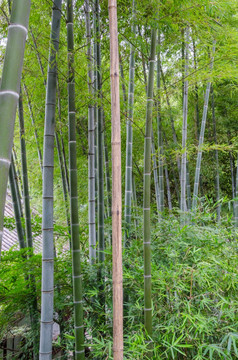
x=116, y=186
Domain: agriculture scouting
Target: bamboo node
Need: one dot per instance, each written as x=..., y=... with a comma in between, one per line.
x=18, y=26
x=9, y=92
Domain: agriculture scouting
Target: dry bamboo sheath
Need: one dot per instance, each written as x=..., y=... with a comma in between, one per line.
x=116, y=187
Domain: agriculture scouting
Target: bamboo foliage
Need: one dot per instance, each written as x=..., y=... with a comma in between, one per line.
x=116, y=186
x=47, y=215
x=91, y=140
x=75, y=243
x=9, y=91
x=129, y=136
x=146, y=192
x=201, y=139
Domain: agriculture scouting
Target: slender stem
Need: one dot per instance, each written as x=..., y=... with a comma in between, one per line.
x=91, y=139
x=75, y=243
x=146, y=194
x=183, y=205
x=129, y=137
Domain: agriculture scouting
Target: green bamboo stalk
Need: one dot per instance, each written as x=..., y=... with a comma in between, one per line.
x=217, y=178
x=129, y=136
x=16, y=208
x=100, y=180
x=64, y=166
x=17, y=180
x=159, y=135
x=26, y=197
x=9, y=92
x=196, y=91
x=123, y=85
x=91, y=140
x=201, y=139
x=48, y=167
x=146, y=193
x=156, y=180
x=183, y=205
x=117, y=277
x=63, y=178
x=75, y=243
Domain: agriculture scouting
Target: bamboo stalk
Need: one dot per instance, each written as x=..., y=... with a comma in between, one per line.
x=159, y=135
x=91, y=149
x=129, y=136
x=47, y=216
x=146, y=192
x=101, y=255
x=9, y=92
x=75, y=243
x=183, y=205
x=26, y=197
x=116, y=186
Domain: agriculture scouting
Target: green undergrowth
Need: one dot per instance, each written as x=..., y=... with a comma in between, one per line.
x=194, y=293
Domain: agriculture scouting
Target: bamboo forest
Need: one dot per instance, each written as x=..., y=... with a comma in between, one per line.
x=119, y=179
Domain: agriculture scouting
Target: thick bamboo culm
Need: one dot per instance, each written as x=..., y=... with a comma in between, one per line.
x=73, y=182
x=9, y=92
x=117, y=277
x=47, y=214
x=146, y=193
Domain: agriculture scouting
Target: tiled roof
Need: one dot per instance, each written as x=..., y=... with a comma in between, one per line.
x=10, y=237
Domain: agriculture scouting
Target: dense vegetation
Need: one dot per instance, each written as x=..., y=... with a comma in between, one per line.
x=193, y=251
